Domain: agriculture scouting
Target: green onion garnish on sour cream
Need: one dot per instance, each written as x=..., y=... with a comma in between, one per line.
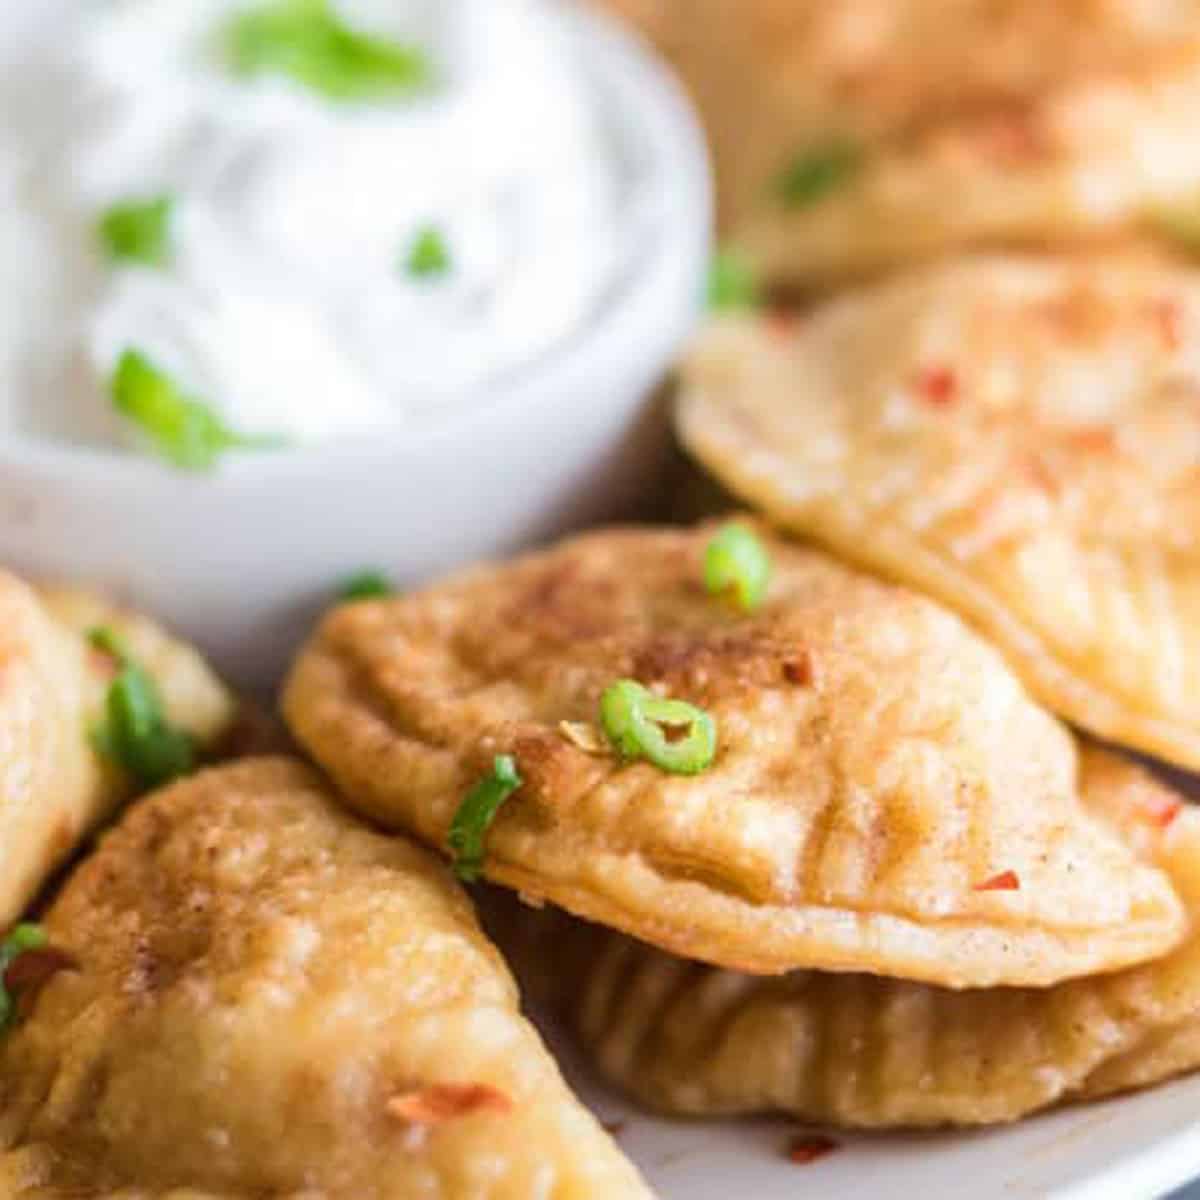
x=139, y=231
x=186, y=432
x=306, y=41
x=428, y=257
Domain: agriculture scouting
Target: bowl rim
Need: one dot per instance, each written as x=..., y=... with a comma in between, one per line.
x=651, y=100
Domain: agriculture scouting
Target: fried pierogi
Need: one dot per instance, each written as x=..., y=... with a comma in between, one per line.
x=860, y=1050
x=193, y=697
x=1021, y=440
x=54, y=787
x=883, y=795
x=862, y=135
x=267, y=998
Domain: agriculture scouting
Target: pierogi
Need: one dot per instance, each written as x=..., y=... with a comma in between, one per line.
x=860, y=1050
x=1018, y=438
x=54, y=787
x=884, y=796
x=267, y=998
x=861, y=136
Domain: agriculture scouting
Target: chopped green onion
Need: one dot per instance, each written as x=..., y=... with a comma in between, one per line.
x=21, y=939
x=136, y=733
x=139, y=231
x=816, y=172
x=732, y=285
x=186, y=432
x=673, y=735
x=429, y=256
x=366, y=585
x=476, y=814
x=309, y=43
x=736, y=564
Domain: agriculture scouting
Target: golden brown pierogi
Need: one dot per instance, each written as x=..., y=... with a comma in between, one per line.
x=1020, y=439
x=54, y=788
x=860, y=1050
x=878, y=767
x=269, y=999
x=856, y=136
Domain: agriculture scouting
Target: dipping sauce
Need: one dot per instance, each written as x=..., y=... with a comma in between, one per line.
x=244, y=223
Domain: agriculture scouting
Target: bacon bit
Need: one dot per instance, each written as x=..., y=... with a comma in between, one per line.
x=29, y=972
x=798, y=670
x=1006, y=881
x=1161, y=810
x=446, y=1101
x=809, y=1147
x=583, y=736
x=937, y=386
x=1167, y=316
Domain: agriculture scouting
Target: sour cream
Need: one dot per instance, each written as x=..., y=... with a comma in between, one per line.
x=288, y=303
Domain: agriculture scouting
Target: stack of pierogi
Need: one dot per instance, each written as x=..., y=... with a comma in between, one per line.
x=961, y=352
x=802, y=810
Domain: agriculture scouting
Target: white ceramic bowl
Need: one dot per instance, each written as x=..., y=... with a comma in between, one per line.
x=241, y=561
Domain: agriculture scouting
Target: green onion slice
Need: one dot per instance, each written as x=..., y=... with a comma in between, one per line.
x=139, y=231
x=817, y=171
x=365, y=585
x=429, y=256
x=136, y=733
x=732, y=285
x=476, y=814
x=673, y=735
x=306, y=41
x=186, y=432
x=21, y=939
x=736, y=564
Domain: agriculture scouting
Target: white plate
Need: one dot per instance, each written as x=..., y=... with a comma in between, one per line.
x=1132, y=1148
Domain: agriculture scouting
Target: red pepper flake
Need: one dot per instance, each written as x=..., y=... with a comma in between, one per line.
x=445, y=1101
x=1167, y=316
x=1011, y=139
x=102, y=662
x=798, y=670
x=807, y=1148
x=1162, y=810
x=782, y=324
x=937, y=386
x=1006, y=881
x=1098, y=439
